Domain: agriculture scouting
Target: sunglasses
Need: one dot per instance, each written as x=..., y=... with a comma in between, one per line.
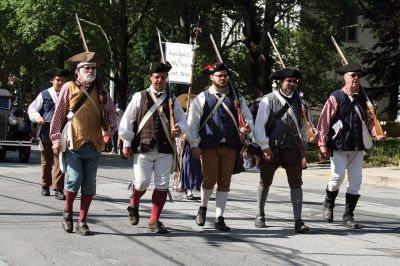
x=221, y=76
x=89, y=68
x=353, y=75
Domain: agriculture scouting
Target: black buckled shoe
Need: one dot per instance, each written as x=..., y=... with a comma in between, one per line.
x=260, y=221
x=82, y=228
x=67, y=223
x=133, y=215
x=45, y=191
x=59, y=194
x=221, y=226
x=157, y=227
x=300, y=227
x=201, y=216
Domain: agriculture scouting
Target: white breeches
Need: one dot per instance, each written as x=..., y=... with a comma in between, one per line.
x=353, y=162
x=145, y=164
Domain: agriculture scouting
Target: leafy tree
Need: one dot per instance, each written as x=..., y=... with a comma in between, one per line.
x=383, y=71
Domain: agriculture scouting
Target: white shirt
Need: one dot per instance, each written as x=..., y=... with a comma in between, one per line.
x=125, y=130
x=37, y=105
x=196, y=112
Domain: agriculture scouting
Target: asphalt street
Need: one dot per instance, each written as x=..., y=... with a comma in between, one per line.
x=31, y=232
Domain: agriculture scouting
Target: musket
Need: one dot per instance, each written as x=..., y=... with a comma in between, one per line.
x=276, y=50
x=378, y=127
x=170, y=102
x=242, y=122
x=81, y=33
x=310, y=130
x=197, y=30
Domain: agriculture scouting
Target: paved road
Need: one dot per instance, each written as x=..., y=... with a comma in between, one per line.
x=31, y=233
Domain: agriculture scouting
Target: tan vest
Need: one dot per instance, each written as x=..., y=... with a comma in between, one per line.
x=86, y=125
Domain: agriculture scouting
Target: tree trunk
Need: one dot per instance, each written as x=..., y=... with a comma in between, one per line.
x=119, y=55
x=257, y=43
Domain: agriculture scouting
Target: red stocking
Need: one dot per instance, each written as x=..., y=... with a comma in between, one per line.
x=158, y=200
x=85, y=203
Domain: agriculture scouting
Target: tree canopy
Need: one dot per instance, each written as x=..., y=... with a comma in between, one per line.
x=37, y=35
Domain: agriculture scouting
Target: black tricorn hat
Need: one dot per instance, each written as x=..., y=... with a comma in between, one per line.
x=89, y=57
x=353, y=67
x=57, y=72
x=287, y=72
x=157, y=67
x=211, y=69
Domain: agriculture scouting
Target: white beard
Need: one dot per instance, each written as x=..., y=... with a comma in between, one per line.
x=89, y=77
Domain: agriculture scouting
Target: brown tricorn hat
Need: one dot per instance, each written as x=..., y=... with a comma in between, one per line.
x=85, y=57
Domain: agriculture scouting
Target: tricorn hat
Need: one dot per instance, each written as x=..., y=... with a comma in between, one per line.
x=85, y=57
x=287, y=72
x=211, y=69
x=157, y=67
x=353, y=67
x=57, y=72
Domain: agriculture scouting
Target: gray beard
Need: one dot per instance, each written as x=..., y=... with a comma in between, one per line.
x=89, y=78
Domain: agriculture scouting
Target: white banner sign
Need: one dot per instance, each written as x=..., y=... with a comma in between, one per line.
x=180, y=56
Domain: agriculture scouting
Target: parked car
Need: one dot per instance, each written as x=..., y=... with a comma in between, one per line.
x=15, y=130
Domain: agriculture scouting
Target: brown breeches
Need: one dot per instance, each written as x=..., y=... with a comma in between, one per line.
x=47, y=158
x=218, y=165
x=268, y=168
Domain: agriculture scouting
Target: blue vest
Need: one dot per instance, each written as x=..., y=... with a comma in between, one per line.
x=220, y=125
x=350, y=136
x=47, y=113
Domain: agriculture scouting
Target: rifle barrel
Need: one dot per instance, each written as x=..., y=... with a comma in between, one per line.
x=81, y=33
x=276, y=50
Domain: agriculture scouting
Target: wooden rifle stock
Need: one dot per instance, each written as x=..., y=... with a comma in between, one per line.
x=378, y=127
x=171, y=114
x=371, y=109
x=242, y=122
x=310, y=130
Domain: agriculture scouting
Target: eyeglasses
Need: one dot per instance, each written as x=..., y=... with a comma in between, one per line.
x=292, y=80
x=353, y=75
x=89, y=68
x=221, y=76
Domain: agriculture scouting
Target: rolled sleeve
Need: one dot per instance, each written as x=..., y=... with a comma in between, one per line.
x=111, y=111
x=35, y=107
x=261, y=120
x=324, y=123
x=180, y=117
x=60, y=115
x=195, y=114
x=125, y=130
